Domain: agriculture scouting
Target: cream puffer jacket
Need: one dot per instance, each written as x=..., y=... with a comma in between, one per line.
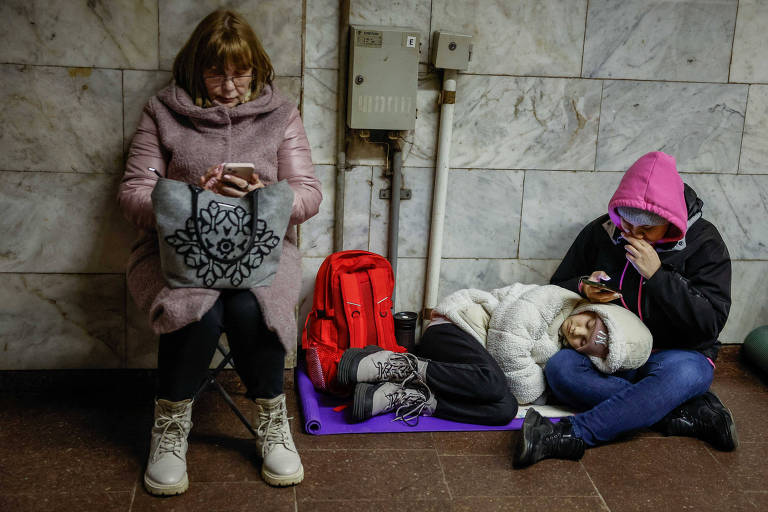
x=520, y=327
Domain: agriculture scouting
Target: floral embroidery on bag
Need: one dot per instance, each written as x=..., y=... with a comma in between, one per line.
x=225, y=232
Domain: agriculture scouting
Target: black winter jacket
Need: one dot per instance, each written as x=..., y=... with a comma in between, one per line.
x=685, y=303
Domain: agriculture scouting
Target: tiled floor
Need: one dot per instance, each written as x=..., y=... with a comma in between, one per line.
x=82, y=449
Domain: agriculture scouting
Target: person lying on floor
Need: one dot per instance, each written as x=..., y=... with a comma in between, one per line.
x=674, y=271
x=483, y=353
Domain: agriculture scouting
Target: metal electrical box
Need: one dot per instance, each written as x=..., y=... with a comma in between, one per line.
x=451, y=51
x=383, y=78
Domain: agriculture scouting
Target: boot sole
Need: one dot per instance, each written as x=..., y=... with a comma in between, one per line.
x=346, y=372
x=157, y=489
x=363, y=401
x=283, y=480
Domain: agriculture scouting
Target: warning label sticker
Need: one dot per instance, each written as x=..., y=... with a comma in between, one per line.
x=369, y=38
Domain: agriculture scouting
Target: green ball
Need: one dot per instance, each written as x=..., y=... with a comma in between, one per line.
x=756, y=347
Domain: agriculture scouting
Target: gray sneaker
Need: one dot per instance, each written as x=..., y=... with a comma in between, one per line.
x=409, y=399
x=374, y=364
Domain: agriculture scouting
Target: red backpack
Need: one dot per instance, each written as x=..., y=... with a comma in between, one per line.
x=351, y=307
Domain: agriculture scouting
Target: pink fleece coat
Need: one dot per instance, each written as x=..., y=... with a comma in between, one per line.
x=653, y=184
x=181, y=141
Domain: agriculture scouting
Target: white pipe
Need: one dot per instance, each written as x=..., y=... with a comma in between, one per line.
x=440, y=192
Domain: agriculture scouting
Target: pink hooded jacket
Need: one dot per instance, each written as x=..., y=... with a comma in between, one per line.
x=653, y=184
x=181, y=141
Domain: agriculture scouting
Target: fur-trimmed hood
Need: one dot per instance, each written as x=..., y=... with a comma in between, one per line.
x=629, y=340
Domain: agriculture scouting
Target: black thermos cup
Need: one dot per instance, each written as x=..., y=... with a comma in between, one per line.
x=405, y=329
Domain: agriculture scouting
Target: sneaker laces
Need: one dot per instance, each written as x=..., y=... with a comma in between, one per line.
x=409, y=402
x=397, y=366
x=272, y=429
x=175, y=427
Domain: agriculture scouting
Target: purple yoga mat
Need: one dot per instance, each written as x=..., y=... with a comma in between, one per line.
x=321, y=419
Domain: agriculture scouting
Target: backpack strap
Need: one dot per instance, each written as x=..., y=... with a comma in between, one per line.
x=353, y=309
x=382, y=309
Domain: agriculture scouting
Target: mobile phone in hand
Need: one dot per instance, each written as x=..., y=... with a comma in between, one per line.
x=241, y=170
x=599, y=284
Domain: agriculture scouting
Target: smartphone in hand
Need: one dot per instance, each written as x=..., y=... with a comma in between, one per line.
x=599, y=284
x=241, y=170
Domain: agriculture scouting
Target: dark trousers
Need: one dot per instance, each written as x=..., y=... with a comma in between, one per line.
x=466, y=380
x=184, y=355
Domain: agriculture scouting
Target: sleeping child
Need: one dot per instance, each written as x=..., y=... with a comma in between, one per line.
x=484, y=352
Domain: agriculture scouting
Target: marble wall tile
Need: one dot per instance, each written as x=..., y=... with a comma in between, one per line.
x=309, y=268
x=396, y=13
x=320, y=114
x=277, y=24
x=61, y=119
x=749, y=308
x=411, y=277
x=525, y=123
x=88, y=34
x=525, y=37
x=138, y=87
x=289, y=87
x=748, y=63
x=140, y=341
x=487, y=274
x=482, y=219
x=322, y=34
x=738, y=206
x=316, y=234
x=55, y=321
x=358, y=184
x=754, y=150
x=421, y=145
x=700, y=124
x=62, y=222
x=415, y=213
x=655, y=39
x=557, y=205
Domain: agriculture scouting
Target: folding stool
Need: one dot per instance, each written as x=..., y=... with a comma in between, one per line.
x=211, y=380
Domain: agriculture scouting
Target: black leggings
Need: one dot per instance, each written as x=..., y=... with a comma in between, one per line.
x=184, y=355
x=468, y=383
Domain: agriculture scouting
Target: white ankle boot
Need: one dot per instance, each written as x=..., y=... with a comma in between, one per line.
x=166, y=472
x=281, y=464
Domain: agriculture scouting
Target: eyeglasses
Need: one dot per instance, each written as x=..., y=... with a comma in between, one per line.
x=240, y=82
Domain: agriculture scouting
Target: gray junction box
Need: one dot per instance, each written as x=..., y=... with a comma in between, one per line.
x=383, y=78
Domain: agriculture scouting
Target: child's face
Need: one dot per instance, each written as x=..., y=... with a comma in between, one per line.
x=577, y=329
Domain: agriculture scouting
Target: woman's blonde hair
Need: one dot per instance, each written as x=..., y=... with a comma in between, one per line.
x=223, y=38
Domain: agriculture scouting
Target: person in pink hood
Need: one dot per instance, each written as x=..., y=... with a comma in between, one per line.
x=222, y=106
x=670, y=267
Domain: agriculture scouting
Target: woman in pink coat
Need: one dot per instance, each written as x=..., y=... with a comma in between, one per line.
x=221, y=107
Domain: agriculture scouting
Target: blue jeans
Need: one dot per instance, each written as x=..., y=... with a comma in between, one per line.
x=628, y=400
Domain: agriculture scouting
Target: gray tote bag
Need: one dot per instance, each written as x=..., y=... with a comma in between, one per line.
x=211, y=241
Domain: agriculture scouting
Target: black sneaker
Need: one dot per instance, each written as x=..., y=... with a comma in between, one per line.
x=706, y=418
x=541, y=439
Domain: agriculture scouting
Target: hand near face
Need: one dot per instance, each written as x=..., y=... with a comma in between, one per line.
x=642, y=255
x=595, y=294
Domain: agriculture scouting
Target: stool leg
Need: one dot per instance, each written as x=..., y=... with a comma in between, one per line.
x=234, y=408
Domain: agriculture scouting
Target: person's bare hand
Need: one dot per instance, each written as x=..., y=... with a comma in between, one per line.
x=595, y=294
x=229, y=185
x=210, y=180
x=235, y=186
x=642, y=255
